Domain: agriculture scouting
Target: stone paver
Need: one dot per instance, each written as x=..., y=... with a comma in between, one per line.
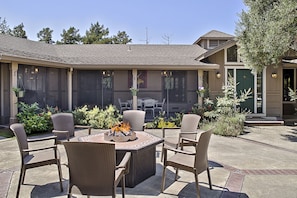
x=260, y=163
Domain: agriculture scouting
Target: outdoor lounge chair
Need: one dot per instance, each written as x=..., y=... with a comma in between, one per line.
x=195, y=162
x=32, y=158
x=93, y=170
x=64, y=126
x=188, y=129
x=135, y=118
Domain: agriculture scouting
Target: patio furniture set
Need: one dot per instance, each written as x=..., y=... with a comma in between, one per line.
x=107, y=164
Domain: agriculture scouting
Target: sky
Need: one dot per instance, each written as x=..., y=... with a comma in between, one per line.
x=145, y=21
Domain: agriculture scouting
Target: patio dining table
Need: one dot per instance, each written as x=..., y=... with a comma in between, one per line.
x=143, y=155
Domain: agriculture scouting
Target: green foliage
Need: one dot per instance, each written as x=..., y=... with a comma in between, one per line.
x=208, y=105
x=4, y=28
x=18, y=31
x=227, y=117
x=70, y=36
x=33, y=118
x=45, y=35
x=266, y=31
x=160, y=121
x=96, y=117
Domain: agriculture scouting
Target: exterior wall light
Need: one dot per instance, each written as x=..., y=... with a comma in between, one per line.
x=218, y=75
x=274, y=75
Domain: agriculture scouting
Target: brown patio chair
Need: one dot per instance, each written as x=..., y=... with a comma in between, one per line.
x=32, y=158
x=195, y=162
x=64, y=126
x=135, y=119
x=93, y=170
x=188, y=129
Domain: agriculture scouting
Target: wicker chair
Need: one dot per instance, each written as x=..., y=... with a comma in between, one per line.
x=93, y=170
x=32, y=158
x=64, y=126
x=135, y=118
x=195, y=162
x=188, y=129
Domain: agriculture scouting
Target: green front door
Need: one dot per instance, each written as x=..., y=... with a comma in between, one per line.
x=245, y=80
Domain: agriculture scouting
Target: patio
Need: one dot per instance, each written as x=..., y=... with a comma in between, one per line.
x=261, y=163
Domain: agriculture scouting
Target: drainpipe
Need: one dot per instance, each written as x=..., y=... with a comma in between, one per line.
x=70, y=72
x=13, y=98
x=134, y=86
x=200, y=84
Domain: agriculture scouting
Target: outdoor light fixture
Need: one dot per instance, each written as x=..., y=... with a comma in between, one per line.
x=218, y=75
x=274, y=75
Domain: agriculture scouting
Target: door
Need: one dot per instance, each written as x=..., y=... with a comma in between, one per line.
x=245, y=80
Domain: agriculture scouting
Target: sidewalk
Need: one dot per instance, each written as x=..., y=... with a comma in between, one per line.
x=261, y=163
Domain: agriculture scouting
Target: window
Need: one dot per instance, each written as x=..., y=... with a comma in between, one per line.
x=175, y=87
x=215, y=43
x=232, y=54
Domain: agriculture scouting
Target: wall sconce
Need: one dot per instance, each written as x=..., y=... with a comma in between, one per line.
x=218, y=75
x=274, y=75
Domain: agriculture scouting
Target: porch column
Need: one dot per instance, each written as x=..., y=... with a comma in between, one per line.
x=200, y=84
x=13, y=98
x=70, y=72
x=134, y=86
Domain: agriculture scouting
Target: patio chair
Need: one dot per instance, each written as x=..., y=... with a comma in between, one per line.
x=123, y=105
x=195, y=162
x=159, y=106
x=149, y=105
x=188, y=129
x=64, y=126
x=93, y=170
x=36, y=157
x=135, y=119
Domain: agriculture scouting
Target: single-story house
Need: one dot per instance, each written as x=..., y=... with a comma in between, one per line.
x=68, y=76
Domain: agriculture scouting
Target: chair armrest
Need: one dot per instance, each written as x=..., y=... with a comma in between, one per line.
x=58, y=131
x=178, y=150
x=84, y=127
x=53, y=137
x=40, y=149
x=188, y=140
x=168, y=128
x=125, y=162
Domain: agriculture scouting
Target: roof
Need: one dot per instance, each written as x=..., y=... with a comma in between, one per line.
x=102, y=55
x=215, y=34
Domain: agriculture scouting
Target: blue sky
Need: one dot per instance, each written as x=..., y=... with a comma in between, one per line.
x=183, y=21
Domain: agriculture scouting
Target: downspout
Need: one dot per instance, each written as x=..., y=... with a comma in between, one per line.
x=13, y=98
x=200, y=84
x=70, y=73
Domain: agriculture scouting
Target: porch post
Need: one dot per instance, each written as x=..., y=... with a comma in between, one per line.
x=70, y=72
x=200, y=84
x=13, y=98
x=134, y=86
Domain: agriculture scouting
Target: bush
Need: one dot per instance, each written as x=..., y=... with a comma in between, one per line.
x=227, y=118
x=34, y=118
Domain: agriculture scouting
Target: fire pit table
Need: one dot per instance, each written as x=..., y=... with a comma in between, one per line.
x=143, y=154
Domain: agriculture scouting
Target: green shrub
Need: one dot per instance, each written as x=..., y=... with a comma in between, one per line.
x=227, y=118
x=34, y=118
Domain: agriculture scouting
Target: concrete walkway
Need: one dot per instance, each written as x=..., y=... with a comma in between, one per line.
x=259, y=164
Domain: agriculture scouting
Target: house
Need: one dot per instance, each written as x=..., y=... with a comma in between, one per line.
x=68, y=76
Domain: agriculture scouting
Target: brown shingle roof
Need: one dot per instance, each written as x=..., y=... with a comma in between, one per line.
x=103, y=55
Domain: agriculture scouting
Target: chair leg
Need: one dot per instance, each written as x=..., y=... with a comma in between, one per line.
x=197, y=185
x=60, y=175
x=176, y=174
x=209, y=179
x=163, y=179
x=123, y=186
x=21, y=180
x=162, y=153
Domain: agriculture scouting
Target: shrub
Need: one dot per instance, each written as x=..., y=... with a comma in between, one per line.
x=34, y=118
x=227, y=118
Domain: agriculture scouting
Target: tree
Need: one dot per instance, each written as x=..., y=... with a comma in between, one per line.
x=4, y=28
x=18, y=31
x=121, y=38
x=71, y=36
x=45, y=35
x=97, y=34
x=266, y=32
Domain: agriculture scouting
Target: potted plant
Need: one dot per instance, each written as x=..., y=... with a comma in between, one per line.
x=19, y=93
